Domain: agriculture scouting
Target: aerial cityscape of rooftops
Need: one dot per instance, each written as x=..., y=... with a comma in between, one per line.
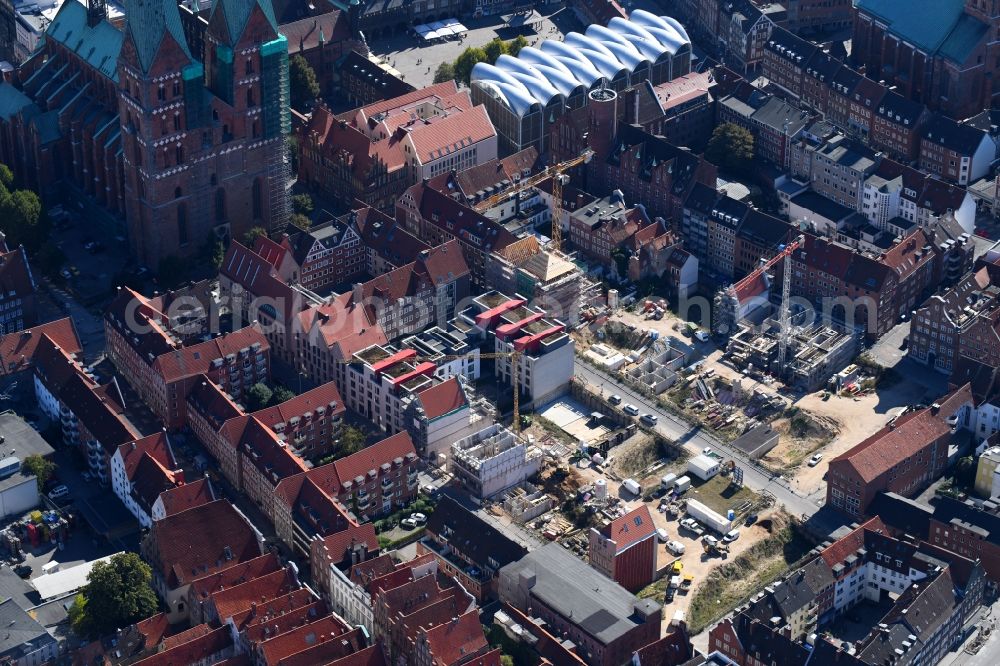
x=500, y=333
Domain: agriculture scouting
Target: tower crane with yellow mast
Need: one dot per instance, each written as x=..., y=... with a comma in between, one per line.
x=559, y=178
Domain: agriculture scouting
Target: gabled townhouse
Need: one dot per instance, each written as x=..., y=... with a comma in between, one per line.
x=786, y=57
x=18, y=350
x=744, y=28
x=624, y=549
x=957, y=153
x=351, y=592
x=896, y=126
x=195, y=543
x=140, y=471
x=181, y=498
x=18, y=307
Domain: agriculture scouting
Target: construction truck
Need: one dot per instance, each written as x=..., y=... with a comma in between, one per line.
x=715, y=548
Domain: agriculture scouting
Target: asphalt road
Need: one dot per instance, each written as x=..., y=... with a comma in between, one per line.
x=695, y=440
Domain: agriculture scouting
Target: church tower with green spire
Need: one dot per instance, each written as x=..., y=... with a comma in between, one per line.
x=204, y=143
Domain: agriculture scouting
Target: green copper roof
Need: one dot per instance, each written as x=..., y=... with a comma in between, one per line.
x=12, y=100
x=149, y=21
x=237, y=14
x=963, y=39
x=99, y=46
x=924, y=23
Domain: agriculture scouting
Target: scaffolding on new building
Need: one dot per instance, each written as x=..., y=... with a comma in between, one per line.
x=277, y=126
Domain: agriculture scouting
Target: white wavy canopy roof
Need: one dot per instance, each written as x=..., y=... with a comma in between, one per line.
x=581, y=61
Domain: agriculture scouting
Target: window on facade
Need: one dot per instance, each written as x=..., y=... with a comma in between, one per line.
x=250, y=101
x=220, y=205
x=258, y=200
x=161, y=93
x=179, y=154
x=177, y=88
x=177, y=122
x=177, y=193
x=182, y=230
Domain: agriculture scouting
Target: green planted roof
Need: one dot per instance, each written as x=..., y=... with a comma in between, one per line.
x=237, y=14
x=149, y=21
x=924, y=23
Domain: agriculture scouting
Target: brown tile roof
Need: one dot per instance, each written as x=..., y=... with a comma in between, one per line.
x=204, y=587
x=155, y=446
x=202, y=540
x=628, y=530
x=442, y=398
x=187, y=496
x=183, y=637
x=266, y=452
x=213, y=403
x=195, y=651
x=151, y=478
x=17, y=350
x=387, y=238
x=369, y=656
x=453, y=642
x=54, y=366
x=465, y=223
x=444, y=263
x=371, y=569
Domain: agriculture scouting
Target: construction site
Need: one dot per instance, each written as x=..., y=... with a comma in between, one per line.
x=763, y=343
x=815, y=353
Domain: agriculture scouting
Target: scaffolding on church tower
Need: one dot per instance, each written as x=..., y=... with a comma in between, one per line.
x=277, y=126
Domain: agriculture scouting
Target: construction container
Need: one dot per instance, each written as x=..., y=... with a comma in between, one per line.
x=632, y=486
x=667, y=482
x=612, y=298
x=682, y=484
x=704, y=467
x=708, y=517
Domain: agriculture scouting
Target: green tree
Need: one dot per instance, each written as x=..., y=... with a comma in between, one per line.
x=301, y=221
x=302, y=81
x=218, y=254
x=258, y=397
x=515, y=45
x=444, y=72
x=41, y=468
x=302, y=203
x=352, y=440
x=21, y=218
x=731, y=148
x=6, y=176
x=965, y=471
x=281, y=394
x=117, y=594
x=466, y=61
x=250, y=237
x=495, y=48
x=620, y=257
x=506, y=660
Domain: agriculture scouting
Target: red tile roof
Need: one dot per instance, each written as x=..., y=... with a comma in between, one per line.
x=195, y=651
x=444, y=263
x=329, y=651
x=372, y=457
x=287, y=612
x=904, y=437
x=325, y=397
x=197, y=359
x=187, y=496
x=628, y=530
x=442, y=399
x=314, y=31
x=54, y=366
x=838, y=551
x=448, y=135
x=155, y=446
x=232, y=600
x=202, y=588
x=202, y=540
x=272, y=252
x=17, y=350
x=15, y=274
x=301, y=638
x=183, y=637
x=453, y=642
x=369, y=656
x=338, y=543
x=267, y=453
x=212, y=403
x=342, y=326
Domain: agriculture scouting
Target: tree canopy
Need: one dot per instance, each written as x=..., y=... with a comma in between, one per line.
x=41, y=468
x=444, y=72
x=731, y=148
x=250, y=237
x=117, y=594
x=302, y=81
x=464, y=63
x=258, y=397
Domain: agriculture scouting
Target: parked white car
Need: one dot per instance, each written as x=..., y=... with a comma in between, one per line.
x=675, y=547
